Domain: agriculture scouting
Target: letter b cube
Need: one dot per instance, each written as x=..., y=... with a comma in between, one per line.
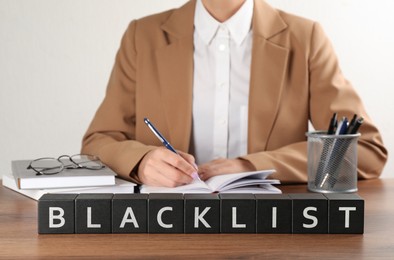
x=56, y=213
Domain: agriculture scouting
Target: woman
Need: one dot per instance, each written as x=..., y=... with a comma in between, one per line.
x=234, y=83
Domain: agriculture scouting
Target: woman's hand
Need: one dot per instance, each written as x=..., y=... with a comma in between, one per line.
x=224, y=166
x=162, y=167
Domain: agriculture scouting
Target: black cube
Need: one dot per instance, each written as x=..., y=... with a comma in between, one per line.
x=346, y=213
x=166, y=213
x=310, y=213
x=238, y=213
x=93, y=213
x=56, y=213
x=130, y=213
x=202, y=213
x=274, y=213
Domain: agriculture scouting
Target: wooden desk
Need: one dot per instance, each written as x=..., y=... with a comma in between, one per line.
x=19, y=238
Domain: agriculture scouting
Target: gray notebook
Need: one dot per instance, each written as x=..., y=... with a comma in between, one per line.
x=27, y=178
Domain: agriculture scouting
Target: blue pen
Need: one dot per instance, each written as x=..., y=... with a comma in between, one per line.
x=342, y=127
x=165, y=142
x=159, y=135
x=335, y=156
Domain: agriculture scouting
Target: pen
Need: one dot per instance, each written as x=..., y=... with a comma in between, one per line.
x=165, y=142
x=326, y=149
x=342, y=127
x=159, y=135
x=351, y=124
x=334, y=154
x=356, y=126
x=333, y=124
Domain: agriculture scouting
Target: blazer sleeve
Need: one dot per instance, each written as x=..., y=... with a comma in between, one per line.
x=329, y=92
x=111, y=134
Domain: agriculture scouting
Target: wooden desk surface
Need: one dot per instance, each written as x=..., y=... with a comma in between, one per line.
x=19, y=237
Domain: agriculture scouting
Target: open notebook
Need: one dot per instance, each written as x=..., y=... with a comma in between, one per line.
x=245, y=182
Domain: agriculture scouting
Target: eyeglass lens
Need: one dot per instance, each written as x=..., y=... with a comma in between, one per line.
x=47, y=166
x=87, y=161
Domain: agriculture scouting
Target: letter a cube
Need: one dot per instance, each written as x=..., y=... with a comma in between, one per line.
x=130, y=213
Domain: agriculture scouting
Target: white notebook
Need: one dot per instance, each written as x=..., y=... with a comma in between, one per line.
x=246, y=182
x=121, y=186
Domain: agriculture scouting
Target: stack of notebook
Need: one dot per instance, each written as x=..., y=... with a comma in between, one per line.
x=26, y=182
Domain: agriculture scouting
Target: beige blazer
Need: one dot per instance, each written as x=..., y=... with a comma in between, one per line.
x=295, y=77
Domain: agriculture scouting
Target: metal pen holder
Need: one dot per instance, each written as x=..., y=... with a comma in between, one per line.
x=332, y=162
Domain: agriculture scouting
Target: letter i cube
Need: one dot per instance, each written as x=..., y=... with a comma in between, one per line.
x=274, y=213
x=56, y=214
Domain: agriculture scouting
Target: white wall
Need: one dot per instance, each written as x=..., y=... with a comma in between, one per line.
x=56, y=57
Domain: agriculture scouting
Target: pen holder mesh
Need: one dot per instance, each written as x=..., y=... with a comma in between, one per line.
x=332, y=162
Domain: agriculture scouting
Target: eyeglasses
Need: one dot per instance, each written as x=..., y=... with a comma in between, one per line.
x=49, y=166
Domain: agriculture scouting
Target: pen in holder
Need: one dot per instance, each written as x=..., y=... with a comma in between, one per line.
x=332, y=162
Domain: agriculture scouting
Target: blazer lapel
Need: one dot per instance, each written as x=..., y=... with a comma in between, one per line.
x=175, y=67
x=269, y=63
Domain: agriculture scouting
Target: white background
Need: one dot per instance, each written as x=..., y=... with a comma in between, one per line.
x=56, y=57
